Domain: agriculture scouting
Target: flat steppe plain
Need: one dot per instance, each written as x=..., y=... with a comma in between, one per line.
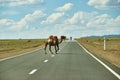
x=95, y=46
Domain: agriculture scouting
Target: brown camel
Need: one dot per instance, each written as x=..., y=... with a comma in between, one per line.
x=53, y=41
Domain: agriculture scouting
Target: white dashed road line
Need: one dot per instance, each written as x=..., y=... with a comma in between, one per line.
x=46, y=60
x=33, y=71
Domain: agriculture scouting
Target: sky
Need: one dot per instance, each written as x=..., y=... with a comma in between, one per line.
x=41, y=18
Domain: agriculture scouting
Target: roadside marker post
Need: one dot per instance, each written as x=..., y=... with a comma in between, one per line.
x=104, y=43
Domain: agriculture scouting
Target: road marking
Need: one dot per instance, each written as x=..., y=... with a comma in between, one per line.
x=52, y=55
x=46, y=60
x=18, y=55
x=107, y=67
x=33, y=71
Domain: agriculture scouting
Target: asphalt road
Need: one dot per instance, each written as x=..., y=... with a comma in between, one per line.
x=71, y=63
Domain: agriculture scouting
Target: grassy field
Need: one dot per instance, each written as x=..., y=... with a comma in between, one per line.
x=14, y=47
x=95, y=45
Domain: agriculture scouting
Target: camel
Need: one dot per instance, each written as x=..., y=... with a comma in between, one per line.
x=53, y=41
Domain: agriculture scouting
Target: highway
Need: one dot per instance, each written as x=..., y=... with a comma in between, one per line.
x=72, y=62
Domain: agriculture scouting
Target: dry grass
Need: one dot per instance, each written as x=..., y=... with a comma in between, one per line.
x=14, y=47
x=112, y=52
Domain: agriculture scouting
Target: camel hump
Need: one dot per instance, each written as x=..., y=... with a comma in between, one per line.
x=55, y=38
x=51, y=37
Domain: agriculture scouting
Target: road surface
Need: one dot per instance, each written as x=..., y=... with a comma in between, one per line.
x=71, y=63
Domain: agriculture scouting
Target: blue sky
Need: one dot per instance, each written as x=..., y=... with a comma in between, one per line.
x=41, y=18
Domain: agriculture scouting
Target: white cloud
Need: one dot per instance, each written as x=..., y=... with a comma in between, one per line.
x=52, y=18
x=80, y=17
x=92, y=24
x=114, y=22
x=6, y=22
x=19, y=2
x=93, y=19
x=105, y=4
x=32, y=17
x=105, y=23
x=99, y=20
x=80, y=24
x=77, y=16
x=22, y=24
x=29, y=18
x=66, y=7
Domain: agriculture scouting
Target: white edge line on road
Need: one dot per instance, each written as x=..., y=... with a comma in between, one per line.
x=107, y=67
x=19, y=55
x=33, y=71
x=46, y=60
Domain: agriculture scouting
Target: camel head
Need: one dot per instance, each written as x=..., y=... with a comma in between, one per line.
x=62, y=38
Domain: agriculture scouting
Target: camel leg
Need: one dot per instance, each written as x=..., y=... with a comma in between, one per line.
x=55, y=49
x=45, y=47
x=50, y=49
